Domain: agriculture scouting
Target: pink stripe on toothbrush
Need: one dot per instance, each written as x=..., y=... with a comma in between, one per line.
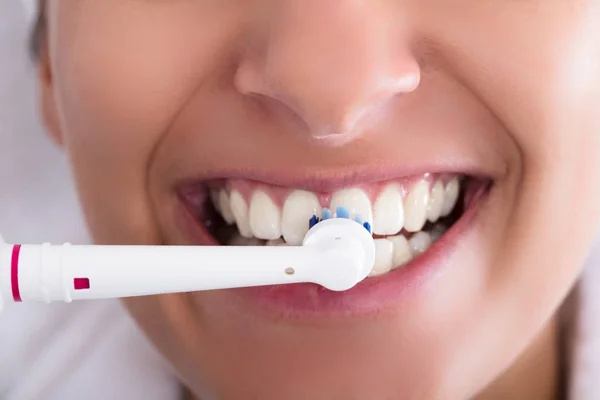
x=14, y=273
x=81, y=283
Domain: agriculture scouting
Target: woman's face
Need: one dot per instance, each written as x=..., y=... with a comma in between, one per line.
x=275, y=109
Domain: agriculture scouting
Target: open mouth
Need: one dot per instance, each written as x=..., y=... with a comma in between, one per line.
x=406, y=216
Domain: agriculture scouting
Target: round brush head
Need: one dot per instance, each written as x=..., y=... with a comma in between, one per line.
x=349, y=246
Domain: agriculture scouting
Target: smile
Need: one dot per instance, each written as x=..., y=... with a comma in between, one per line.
x=409, y=218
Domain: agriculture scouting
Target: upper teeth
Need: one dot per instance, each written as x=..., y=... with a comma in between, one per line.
x=415, y=207
x=223, y=205
x=436, y=202
x=451, y=193
x=239, y=209
x=264, y=217
x=388, y=212
x=394, y=209
x=298, y=208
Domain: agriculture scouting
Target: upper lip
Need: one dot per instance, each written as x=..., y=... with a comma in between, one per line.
x=332, y=179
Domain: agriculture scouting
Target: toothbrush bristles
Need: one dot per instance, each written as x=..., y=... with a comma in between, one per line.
x=367, y=227
x=313, y=221
x=340, y=212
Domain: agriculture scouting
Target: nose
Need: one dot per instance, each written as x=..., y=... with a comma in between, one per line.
x=333, y=63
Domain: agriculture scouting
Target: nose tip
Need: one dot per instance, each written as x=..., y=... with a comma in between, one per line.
x=332, y=64
x=330, y=112
x=333, y=102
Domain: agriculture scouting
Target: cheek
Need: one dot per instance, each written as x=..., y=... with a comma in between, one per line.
x=547, y=101
x=535, y=68
x=117, y=94
x=540, y=78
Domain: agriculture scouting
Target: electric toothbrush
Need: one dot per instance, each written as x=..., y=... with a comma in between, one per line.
x=336, y=253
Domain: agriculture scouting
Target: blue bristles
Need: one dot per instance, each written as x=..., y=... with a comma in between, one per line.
x=367, y=226
x=342, y=212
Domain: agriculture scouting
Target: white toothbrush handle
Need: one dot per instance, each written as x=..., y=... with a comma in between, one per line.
x=336, y=255
x=66, y=273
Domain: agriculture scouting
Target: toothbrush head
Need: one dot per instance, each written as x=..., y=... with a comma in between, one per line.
x=349, y=248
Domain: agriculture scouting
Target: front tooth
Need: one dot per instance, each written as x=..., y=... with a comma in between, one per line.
x=420, y=242
x=450, y=197
x=415, y=207
x=265, y=216
x=298, y=209
x=388, y=211
x=225, y=207
x=436, y=201
x=384, y=251
x=356, y=202
x=240, y=213
x=402, y=251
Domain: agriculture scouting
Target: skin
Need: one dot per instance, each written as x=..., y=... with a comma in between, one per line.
x=142, y=94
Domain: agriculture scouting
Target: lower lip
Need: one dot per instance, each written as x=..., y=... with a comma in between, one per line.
x=371, y=296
